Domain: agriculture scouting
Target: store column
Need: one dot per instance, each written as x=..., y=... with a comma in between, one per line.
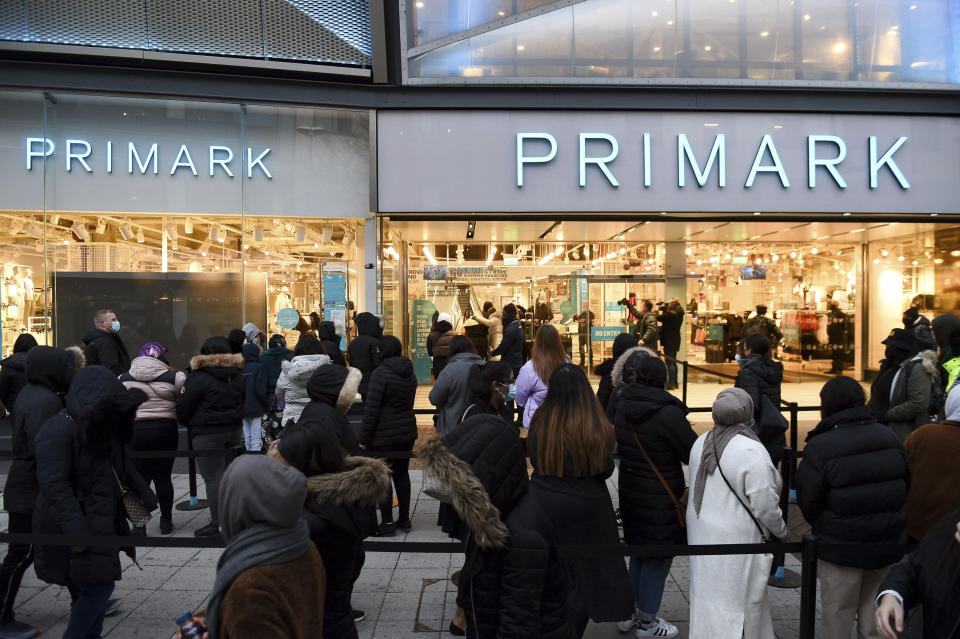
x=675, y=269
x=367, y=261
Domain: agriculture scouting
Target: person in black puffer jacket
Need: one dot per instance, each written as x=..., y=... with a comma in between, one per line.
x=648, y=414
x=211, y=407
x=327, y=334
x=13, y=371
x=48, y=373
x=622, y=342
x=512, y=583
x=852, y=487
x=761, y=377
x=332, y=391
x=81, y=455
x=389, y=424
x=339, y=511
x=364, y=350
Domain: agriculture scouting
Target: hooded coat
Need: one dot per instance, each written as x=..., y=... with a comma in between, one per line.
x=946, y=330
x=13, y=377
x=78, y=450
x=272, y=360
x=622, y=342
x=388, y=418
x=512, y=583
x=910, y=394
x=161, y=385
x=254, y=382
x=212, y=398
x=332, y=391
x=105, y=348
x=292, y=384
x=327, y=334
x=622, y=374
x=49, y=372
x=449, y=392
x=340, y=513
x=851, y=486
x=648, y=413
x=438, y=346
x=364, y=350
x=761, y=377
x=933, y=451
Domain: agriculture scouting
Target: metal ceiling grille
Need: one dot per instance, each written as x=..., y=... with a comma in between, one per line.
x=322, y=31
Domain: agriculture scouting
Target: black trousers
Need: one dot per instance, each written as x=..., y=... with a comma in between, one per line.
x=399, y=469
x=157, y=434
x=18, y=559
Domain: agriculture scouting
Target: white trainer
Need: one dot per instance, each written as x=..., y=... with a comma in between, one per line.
x=659, y=627
x=629, y=624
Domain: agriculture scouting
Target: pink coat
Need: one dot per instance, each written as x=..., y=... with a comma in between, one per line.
x=161, y=395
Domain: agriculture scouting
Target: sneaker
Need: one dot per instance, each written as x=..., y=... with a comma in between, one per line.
x=358, y=615
x=405, y=525
x=659, y=627
x=210, y=530
x=14, y=629
x=166, y=525
x=629, y=624
x=387, y=529
x=113, y=605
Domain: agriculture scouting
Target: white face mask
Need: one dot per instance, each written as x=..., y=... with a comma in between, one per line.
x=115, y=326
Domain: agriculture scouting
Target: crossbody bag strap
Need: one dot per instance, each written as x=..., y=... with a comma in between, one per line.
x=655, y=469
x=763, y=535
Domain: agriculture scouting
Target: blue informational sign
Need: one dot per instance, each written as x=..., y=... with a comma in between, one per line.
x=568, y=308
x=288, y=318
x=606, y=333
x=422, y=315
x=334, y=290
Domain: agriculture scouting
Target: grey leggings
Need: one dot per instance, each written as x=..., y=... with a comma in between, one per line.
x=212, y=468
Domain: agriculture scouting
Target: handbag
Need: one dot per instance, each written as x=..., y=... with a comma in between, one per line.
x=434, y=487
x=680, y=505
x=133, y=506
x=764, y=535
x=770, y=420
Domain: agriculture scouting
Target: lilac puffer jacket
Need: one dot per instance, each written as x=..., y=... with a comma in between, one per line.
x=531, y=391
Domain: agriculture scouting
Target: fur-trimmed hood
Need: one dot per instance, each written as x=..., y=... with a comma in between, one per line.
x=616, y=376
x=927, y=359
x=334, y=385
x=365, y=483
x=218, y=360
x=299, y=369
x=496, y=454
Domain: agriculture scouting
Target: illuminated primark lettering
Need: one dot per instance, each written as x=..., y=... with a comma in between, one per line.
x=80, y=155
x=825, y=156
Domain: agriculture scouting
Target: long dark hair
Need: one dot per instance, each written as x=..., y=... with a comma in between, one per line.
x=312, y=448
x=548, y=353
x=570, y=425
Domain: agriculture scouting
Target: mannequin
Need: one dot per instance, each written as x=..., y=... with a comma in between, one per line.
x=28, y=288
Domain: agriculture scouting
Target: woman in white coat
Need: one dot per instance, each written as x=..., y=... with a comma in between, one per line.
x=492, y=320
x=728, y=593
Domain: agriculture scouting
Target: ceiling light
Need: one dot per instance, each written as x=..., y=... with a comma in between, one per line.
x=301, y=234
x=326, y=234
x=171, y=232
x=80, y=230
x=348, y=238
x=814, y=250
x=429, y=255
x=938, y=260
x=188, y=226
x=258, y=234
x=915, y=262
x=883, y=252
x=840, y=47
x=126, y=231
x=214, y=234
x=491, y=253
x=707, y=48
x=806, y=17
x=900, y=259
x=204, y=247
x=101, y=226
x=222, y=235
x=520, y=47
x=471, y=226
x=140, y=238
x=764, y=34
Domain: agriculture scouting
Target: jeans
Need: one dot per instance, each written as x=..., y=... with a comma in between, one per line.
x=251, y=433
x=671, y=365
x=18, y=559
x=86, y=613
x=648, y=576
x=157, y=434
x=401, y=480
x=212, y=468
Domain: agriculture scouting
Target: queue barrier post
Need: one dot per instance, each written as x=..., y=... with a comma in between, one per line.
x=808, y=588
x=782, y=577
x=794, y=425
x=193, y=503
x=686, y=371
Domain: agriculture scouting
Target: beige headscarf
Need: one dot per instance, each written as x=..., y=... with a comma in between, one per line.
x=732, y=416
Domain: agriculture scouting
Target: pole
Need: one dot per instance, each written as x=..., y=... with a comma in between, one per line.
x=780, y=577
x=794, y=426
x=808, y=588
x=194, y=503
x=686, y=370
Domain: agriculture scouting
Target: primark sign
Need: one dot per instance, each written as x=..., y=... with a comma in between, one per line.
x=502, y=161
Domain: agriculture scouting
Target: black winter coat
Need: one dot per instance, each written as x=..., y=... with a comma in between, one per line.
x=13, y=377
x=388, y=418
x=332, y=390
x=254, y=382
x=510, y=349
x=50, y=371
x=760, y=376
x=659, y=421
x=606, y=385
x=671, y=327
x=852, y=485
x=327, y=334
x=364, y=350
x=212, y=399
x=78, y=451
x=103, y=348
x=931, y=576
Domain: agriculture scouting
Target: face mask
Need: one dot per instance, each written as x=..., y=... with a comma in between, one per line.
x=512, y=392
x=115, y=327
x=737, y=357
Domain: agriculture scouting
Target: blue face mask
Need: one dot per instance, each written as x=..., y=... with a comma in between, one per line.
x=737, y=357
x=115, y=327
x=512, y=393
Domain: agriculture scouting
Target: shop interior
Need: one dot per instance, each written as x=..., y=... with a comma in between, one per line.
x=171, y=278
x=719, y=271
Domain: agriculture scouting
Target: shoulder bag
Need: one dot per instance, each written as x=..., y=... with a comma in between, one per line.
x=770, y=420
x=680, y=505
x=764, y=535
x=133, y=506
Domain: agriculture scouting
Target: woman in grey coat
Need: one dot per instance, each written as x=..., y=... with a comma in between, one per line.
x=449, y=392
